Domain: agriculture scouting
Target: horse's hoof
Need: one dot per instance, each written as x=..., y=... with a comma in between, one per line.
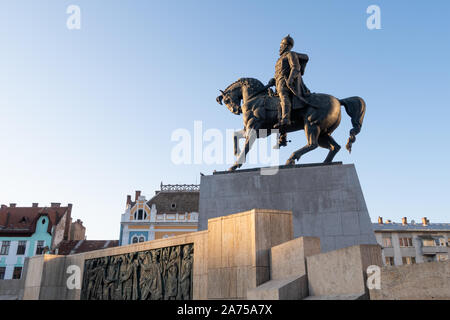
x=290, y=162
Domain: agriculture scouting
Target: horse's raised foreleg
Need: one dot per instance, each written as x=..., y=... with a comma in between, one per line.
x=249, y=140
x=312, y=132
x=327, y=141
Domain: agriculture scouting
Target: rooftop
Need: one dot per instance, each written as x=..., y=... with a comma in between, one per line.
x=15, y=221
x=409, y=226
x=67, y=247
x=172, y=198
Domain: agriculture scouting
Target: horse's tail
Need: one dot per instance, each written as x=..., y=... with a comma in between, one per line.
x=355, y=108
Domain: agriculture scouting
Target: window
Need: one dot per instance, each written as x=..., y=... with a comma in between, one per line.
x=17, y=272
x=40, y=247
x=442, y=257
x=21, y=247
x=135, y=240
x=428, y=243
x=405, y=242
x=389, y=261
x=408, y=260
x=5, y=248
x=387, y=242
x=2, y=273
x=140, y=215
x=141, y=239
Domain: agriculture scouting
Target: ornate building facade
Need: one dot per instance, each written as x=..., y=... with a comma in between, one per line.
x=173, y=210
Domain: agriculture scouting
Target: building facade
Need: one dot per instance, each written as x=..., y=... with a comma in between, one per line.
x=409, y=243
x=29, y=231
x=173, y=210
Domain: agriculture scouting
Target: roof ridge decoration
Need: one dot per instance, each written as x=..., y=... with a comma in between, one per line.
x=180, y=187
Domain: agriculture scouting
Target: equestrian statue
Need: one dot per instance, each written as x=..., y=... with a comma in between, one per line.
x=290, y=108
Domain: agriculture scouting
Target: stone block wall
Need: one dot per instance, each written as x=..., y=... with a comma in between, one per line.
x=343, y=271
x=238, y=250
x=422, y=281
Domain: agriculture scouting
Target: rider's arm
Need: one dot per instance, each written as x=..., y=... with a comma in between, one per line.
x=295, y=66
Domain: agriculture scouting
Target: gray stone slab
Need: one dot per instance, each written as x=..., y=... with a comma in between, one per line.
x=355, y=296
x=343, y=271
x=326, y=200
x=292, y=288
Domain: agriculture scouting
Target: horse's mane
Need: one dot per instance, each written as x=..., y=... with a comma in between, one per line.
x=251, y=82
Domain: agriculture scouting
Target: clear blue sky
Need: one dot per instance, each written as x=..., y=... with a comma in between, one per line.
x=84, y=112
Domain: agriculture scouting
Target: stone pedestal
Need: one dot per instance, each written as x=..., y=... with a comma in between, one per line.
x=326, y=200
x=239, y=250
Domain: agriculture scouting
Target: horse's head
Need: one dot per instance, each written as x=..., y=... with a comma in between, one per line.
x=232, y=97
x=242, y=89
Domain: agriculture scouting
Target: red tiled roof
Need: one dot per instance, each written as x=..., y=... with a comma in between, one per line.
x=67, y=247
x=22, y=220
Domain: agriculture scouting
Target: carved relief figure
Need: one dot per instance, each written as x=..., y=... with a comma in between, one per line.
x=172, y=275
x=151, y=278
x=112, y=275
x=185, y=274
x=148, y=275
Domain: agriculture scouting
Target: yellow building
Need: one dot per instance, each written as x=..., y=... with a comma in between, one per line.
x=172, y=211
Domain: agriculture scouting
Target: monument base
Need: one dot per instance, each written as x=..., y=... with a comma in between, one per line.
x=326, y=200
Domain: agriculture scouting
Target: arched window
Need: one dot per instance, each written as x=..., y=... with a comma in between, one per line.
x=141, y=239
x=135, y=239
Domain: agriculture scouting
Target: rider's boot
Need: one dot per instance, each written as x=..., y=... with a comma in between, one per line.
x=286, y=118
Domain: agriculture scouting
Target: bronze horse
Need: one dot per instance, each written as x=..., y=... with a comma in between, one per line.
x=260, y=111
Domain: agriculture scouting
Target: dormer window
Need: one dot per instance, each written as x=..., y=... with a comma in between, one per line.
x=140, y=215
x=173, y=206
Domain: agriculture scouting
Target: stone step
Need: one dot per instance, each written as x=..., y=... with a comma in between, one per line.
x=353, y=296
x=292, y=288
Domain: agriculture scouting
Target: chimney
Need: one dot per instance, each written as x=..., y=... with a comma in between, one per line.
x=4, y=206
x=138, y=194
x=12, y=205
x=55, y=205
x=128, y=200
x=404, y=221
x=425, y=221
x=35, y=204
x=380, y=220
